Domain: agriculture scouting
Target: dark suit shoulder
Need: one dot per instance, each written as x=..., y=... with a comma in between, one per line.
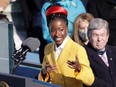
x=88, y=47
x=111, y=48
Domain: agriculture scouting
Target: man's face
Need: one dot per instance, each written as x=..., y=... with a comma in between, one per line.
x=99, y=38
x=58, y=31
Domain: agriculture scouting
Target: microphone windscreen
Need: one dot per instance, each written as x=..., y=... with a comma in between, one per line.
x=31, y=43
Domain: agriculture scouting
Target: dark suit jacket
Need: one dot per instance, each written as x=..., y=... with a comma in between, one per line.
x=30, y=10
x=104, y=76
x=105, y=9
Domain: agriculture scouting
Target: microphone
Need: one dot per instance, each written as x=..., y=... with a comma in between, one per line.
x=29, y=45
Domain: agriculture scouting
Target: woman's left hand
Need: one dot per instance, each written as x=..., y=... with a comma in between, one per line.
x=74, y=64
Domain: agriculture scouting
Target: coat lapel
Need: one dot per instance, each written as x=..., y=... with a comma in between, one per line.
x=94, y=55
x=52, y=59
x=52, y=56
x=96, y=58
x=65, y=54
x=110, y=56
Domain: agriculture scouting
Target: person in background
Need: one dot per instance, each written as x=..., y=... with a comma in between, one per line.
x=59, y=56
x=3, y=84
x=105, y=9
x=3, y=6
x=102, y=57
x=85, y=2
x=80, y=28
x=31, y=11
x=73, y=7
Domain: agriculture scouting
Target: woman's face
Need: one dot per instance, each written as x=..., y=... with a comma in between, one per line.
x=83, y=25
x=83, y=30
x=58, y=31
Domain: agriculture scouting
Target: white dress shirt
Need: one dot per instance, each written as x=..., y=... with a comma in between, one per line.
x=59, y=49
x=104, y=58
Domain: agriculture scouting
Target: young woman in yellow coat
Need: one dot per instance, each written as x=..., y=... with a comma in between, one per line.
x=65, y=62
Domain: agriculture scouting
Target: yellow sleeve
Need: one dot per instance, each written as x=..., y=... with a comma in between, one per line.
x=85, y=75
x=47, y=77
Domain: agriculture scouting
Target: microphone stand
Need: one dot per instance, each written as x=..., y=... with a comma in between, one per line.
x=17, y=63
x=18, y=59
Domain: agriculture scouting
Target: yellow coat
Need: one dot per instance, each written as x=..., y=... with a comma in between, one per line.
x=65, y=76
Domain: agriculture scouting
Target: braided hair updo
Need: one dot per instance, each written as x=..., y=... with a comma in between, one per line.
x=57, y=16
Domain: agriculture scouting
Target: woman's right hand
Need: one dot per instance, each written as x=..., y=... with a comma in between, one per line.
x=48, y=68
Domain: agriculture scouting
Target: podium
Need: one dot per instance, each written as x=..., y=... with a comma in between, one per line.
x=19, y=81
x=6, y=47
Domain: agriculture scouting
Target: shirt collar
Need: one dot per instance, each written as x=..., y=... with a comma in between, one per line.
x=63, y=44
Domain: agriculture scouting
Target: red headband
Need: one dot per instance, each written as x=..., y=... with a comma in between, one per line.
x=56, y=9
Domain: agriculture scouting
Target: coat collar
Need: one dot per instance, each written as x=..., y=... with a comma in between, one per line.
x=110, y=56
x=65, y=54
x=94, y=55
x=52, y=58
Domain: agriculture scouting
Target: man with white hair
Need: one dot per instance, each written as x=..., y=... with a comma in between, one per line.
x=102, y=57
